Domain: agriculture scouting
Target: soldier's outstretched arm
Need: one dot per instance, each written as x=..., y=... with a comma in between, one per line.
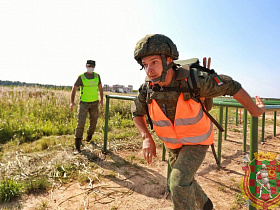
x=255, y=109
x=149, y=147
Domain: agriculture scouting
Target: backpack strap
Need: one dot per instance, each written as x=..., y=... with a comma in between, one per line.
x=146, y=90
x=197, y=96
x=196, y=92
x=197, y=66
x=167, y=89
x=149, y=117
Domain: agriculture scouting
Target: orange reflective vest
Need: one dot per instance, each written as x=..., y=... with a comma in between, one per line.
x=191, y=125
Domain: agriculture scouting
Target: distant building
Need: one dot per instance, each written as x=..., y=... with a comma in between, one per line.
x=106, y=87
x=118, y=88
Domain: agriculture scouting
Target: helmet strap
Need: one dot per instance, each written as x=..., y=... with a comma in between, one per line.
x=165, y=68
x=164, y=71
x=156, y=79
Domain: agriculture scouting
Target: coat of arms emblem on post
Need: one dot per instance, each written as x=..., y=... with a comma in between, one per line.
x=261, y=183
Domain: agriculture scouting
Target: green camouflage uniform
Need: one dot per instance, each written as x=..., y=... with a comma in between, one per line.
x=83, y=110
x=186, y=193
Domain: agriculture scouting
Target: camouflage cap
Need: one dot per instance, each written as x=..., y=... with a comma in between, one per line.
x=155, y=44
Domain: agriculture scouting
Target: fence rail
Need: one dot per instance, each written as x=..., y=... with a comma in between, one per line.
x=269, y=105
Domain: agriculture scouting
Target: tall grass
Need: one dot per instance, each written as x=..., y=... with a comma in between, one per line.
x=29, y=113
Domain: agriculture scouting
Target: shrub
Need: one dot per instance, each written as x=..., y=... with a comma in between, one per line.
x=9, y=189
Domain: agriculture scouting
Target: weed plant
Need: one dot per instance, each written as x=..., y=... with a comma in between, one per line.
x=9, y=189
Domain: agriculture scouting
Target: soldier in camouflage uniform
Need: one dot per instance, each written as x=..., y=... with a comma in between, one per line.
x=89, y=83
x=156, y=53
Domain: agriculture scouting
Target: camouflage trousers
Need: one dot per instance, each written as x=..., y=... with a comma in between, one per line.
x=186, y=193
x=84, y=109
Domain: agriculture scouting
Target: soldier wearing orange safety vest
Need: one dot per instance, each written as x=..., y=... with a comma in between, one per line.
x=171, y=98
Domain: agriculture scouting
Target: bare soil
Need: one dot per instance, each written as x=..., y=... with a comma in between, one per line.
x=141, y=186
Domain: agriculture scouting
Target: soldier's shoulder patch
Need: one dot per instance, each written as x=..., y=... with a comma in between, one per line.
x=225, y=78
x=218, y=80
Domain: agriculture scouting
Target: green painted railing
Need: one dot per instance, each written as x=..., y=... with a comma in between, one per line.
x=269, y=105
x=131, y=98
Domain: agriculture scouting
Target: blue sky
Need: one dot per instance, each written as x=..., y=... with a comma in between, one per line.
x=48, y=42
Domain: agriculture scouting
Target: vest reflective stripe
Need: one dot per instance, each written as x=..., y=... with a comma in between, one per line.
x=191, y=125
x=162, y=123
x=89, y=89
x=181, y=121
x=169, y=140
x=190, y=121
x=198, y=139
x=194, y=139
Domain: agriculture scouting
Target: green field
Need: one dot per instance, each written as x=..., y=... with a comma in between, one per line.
x=37, y=139
x=29, y=113
x=38, y=120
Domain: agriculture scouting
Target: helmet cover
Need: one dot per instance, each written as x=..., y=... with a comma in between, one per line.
x=155, y=44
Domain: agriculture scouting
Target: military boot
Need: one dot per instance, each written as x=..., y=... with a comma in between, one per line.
x=89, y=137
x=208, y=205
x=78, y=142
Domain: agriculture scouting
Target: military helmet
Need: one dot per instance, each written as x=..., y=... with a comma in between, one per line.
x=155, y=44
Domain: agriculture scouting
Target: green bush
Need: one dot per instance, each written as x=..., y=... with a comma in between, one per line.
x=9, y=189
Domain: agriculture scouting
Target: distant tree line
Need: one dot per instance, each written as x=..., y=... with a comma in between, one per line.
x=17, y=83
x=61, y=87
